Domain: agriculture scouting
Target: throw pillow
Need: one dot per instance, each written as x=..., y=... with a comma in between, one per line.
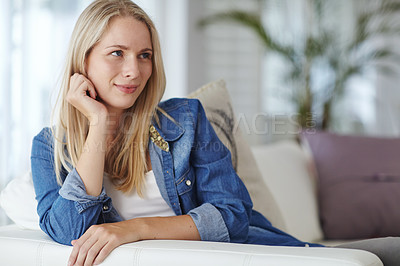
x=18, y=201
x=359, y=185
x=218, y=107
x=285, y=168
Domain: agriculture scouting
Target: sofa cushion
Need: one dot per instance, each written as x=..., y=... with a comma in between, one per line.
x=285, y=168
x=218, y=107
x=359, y=185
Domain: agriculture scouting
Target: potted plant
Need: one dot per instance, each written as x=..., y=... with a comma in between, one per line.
x=342, y=61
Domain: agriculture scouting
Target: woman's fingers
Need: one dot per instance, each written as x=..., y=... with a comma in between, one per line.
x=89, y=87
x=85, y=88
x=82, y=95
x=79, y=245
x=80, y=85
x=91, y=254
x=87, y=248
x=75, y=252
x=94, y=253
x=104, y=252
x=97, y=243
x=87, y=251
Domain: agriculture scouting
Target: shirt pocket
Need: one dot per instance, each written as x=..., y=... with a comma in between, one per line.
x=185, y=183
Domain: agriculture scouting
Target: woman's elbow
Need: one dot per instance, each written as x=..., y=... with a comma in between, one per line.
x=62, y=234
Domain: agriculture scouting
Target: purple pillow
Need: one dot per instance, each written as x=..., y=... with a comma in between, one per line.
x=359, y=185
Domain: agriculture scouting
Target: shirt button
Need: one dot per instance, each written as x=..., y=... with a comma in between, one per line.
x=105, y=208
x=188, y=182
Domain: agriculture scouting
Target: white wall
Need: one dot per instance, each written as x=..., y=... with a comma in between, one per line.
x=170, y=18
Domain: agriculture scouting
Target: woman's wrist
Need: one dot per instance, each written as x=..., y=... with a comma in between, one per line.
x=98, y=119
x=140, y=229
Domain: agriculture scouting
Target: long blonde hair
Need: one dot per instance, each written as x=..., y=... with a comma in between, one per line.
x=126, y=159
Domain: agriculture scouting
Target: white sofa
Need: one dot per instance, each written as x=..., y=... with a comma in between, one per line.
x=32, y=247
x=279, y=179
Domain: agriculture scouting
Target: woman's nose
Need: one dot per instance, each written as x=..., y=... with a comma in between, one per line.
x=131, y=68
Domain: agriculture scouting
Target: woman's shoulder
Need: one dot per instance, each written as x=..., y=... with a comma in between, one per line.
x=179, y=106
x=45, y=135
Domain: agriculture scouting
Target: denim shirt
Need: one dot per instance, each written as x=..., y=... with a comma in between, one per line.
x=193, y=171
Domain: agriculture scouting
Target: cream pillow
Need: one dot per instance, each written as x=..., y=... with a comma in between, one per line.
x=286, y=169
x=18, y=201
x=218, y=107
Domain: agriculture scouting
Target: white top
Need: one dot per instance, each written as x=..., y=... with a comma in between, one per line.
x=130, y=205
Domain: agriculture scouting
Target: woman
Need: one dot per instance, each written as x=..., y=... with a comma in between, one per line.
x=113, y=139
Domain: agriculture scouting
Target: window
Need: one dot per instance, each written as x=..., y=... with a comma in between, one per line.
x=34, y=41
x=233, y=53
x=36, y=35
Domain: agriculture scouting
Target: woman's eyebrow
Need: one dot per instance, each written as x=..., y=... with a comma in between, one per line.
x=147, y=50
x=123, y=47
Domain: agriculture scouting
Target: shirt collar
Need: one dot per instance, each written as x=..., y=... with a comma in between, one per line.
x=167, y=129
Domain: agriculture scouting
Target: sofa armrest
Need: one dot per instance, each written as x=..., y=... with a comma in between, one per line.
x=27, y=247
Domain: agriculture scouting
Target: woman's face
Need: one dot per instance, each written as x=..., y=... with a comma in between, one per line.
x=120, y=64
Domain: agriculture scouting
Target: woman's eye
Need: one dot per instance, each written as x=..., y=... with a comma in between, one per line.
x=146, y=55
x=117, y=53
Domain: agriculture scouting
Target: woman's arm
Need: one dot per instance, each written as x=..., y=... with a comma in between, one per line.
x=99, y=240
x=65, y=212
x=91, y=162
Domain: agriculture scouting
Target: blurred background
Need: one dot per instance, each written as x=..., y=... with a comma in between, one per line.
x=314, y=64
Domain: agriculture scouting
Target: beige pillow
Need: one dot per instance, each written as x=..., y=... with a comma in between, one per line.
x=18, y=201
x=217, y=104
x=286, y=169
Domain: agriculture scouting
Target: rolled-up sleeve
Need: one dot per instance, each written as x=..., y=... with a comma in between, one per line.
x=210, y=223
x=74, y=189
x=225, y=205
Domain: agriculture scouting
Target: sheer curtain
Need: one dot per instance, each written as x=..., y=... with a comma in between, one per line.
x=34, y=39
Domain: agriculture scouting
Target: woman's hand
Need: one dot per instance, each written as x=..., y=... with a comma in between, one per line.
x=82, y=95
x=98, y=242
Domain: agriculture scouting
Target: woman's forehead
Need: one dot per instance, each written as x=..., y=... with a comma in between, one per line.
x=126, y=31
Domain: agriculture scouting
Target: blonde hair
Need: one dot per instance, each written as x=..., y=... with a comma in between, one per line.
x=126, y=159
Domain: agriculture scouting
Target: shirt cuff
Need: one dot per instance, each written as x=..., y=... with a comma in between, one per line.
x=73, y=189
x=209, y=223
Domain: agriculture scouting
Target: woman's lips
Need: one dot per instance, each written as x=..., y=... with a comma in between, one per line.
x=127, y=88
